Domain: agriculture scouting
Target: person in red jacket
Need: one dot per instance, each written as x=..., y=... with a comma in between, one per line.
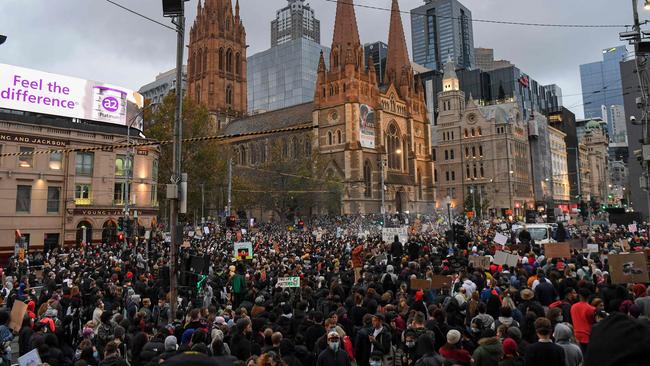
x=453, y=352
x=357, y=261
x=582, y=315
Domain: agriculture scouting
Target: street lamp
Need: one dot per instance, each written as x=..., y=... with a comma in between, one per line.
x=3, y=38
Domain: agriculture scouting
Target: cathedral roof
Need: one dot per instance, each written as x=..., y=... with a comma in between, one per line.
x=277, y=119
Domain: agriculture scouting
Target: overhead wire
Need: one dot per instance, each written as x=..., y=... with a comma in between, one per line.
x=141, y=15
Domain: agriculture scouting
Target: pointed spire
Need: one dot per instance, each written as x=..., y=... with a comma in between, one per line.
x=237, y=9
x=321, y=62
x=345, y=26
x=398, y=57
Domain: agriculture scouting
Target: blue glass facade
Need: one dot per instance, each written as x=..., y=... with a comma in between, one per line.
x=601, y=84
x=284, y=75
x=441, y=29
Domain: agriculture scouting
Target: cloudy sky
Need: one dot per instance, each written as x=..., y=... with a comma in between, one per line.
x=94, y=39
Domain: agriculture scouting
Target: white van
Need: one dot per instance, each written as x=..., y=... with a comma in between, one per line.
x=541, y=233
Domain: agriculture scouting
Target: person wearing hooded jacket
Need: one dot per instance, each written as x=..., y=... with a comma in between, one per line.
x=334, y=354
x=489, y=351
x=572, y=352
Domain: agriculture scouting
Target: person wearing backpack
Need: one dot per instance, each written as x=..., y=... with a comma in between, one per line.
x=389, y=279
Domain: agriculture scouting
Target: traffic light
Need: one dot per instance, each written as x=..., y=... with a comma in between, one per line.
x=120, y=224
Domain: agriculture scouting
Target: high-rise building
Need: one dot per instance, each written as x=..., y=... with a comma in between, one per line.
x=295, y=21
x=165, y=82
x=217, y=61
x=637, y=193
x=559, y=168
x=378, y=51
x=484, y=60
x=601, y=84
x=284, y=75
x=565, y=121
x=442, y=29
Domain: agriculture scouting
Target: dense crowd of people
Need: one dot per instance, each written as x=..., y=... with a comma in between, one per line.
x=355, y=304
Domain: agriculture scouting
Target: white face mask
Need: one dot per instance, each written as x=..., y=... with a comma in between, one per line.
x=334, y=345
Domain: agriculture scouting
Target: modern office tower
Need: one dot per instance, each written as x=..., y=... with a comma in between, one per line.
x=484, y=60
x=378, y=51
x=294, y=21
x=442, y=29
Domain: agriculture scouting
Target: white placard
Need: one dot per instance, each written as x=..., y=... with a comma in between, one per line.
x=501, y=258
x=500, y=239
x=206, y=230
x=288, y=282
x=388, y=234
x=592, y=248
x=504, y=226
x=30, y=358
x=631, y=228
x=243, y=250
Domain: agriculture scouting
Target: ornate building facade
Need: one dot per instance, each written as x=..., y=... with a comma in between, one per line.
x=359, y=128
x=481, y=149
x=216, y=72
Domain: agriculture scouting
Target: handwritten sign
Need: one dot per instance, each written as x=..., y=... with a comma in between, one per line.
x=500, y=239
x=482, y=262
x=388, y=234
x=557, y=250
x=288, y=282
x=501, y=258
x=243, y=250
x=593, y=248
x=438, y=281
x=16, y=316
x=419, y=284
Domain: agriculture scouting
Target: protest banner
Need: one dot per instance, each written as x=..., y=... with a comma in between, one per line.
x=243, y=250
x=593, y=248
x=628, y=267
x=557, y=250
x=500, y=239
x=501, y=258
x=16, y=317
x=388, y=234
x=438, y=281
x=31, y=358
x=418, y=284
x=288, y=282
x=482, y=262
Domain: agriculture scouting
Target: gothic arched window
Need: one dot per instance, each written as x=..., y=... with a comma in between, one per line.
x=229, y=94
x=229, y=60
x=339, y=137
x=221, y=59
x=367, y=179
x=295, y=145
x=329, y=138
x=394, y=144
x=205, y=60
x=199, y=66
x=238, y=64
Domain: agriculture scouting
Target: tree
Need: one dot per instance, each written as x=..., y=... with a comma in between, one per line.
x=481, y=206
x=205, y=162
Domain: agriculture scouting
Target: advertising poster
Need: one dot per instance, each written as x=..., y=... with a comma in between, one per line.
x=628, y=268
x=42, y=92
x=367, y=126
x=243, y=250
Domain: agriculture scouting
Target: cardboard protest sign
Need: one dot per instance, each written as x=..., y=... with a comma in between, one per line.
x=31, y=358
x=288, y=282
x=628, y=267
x=243, y=250
x=418, y=284
x=500, y=239
x=501, y=258
x=388, y=234
x=503, y=226
x=16, y=316
x=482, y=262
x=438, y=281
x=593, y=248
x=557, y=250
x=190, y=234
x=206, y=230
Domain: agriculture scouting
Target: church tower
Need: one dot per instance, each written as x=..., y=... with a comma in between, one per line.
x=217, y=61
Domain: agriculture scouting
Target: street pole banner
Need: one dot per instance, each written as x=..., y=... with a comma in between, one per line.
x=243, y=250
x=288, y=282
x=388, y=234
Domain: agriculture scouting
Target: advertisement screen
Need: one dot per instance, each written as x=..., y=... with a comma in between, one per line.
x=42, y=92
x=367, y=126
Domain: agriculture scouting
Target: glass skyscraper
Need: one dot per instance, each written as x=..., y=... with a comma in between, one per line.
x=441, y=29
x=601, y=85
x=296, y=20
x=283, y=75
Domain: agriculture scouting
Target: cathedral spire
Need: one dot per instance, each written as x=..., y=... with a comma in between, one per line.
x=321, y=62
x=346, y=32
x=237, y=9
x=398, y=57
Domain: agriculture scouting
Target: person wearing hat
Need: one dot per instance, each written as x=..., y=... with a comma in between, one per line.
x=452, y=351
x=334, y=354
x=511, y=354
x=529, y=303
x=544, y=352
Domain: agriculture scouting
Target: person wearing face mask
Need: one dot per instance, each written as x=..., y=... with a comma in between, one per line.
x=564, y=305
x=407, y=351
x=334, y=354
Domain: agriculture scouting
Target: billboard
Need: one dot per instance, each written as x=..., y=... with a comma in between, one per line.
x=367, y=126
x=42, y=92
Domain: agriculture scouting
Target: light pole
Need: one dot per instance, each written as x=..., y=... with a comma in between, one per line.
x=471, y=191
x=451, y=226
x=229, y=207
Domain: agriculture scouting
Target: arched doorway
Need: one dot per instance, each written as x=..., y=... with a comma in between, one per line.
x=88, y=231
x=109, y=232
